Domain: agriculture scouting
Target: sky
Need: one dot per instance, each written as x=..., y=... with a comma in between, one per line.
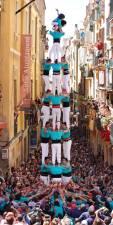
x=74, y=11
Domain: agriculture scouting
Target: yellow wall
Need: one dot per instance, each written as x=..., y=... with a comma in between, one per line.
x=12, y=26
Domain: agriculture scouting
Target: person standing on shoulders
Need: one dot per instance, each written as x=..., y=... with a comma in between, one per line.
x=45, y=137
x=56, y=137
x=46, y=70
x=44, y=172
x=66, y=142
x=56, y=78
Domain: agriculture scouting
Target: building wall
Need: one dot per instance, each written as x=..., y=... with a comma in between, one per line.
x=29, y=21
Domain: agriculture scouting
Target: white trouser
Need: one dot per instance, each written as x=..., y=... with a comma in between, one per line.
x=67, y=148
x=45, y=151
x=66, y=116
x=56, y=153
x=66, y=82
x=56, y=180
x=65, y=180
x=56, y=114
x=56, y=84
x=46, y=81
x=46, y=114
x=56, y=52
x=45, y=179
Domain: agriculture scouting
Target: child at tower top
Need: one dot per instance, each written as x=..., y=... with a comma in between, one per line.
x=59, y=22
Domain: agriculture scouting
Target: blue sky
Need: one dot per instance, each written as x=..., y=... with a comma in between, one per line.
x=74, y=11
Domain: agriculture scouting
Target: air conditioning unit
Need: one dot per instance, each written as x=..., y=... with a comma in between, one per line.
x=5, y=153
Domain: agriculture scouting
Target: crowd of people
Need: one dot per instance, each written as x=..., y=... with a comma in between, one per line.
x=87, y=198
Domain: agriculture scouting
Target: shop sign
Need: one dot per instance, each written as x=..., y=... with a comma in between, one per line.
x=25, y=71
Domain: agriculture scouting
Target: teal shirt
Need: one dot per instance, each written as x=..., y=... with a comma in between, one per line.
x=58, y=210
x=66, y=99
x=56, y=34
x=44, y=134
x=56, y=66
x=46, y=100
x=111, y=205
x=58, y=21
x=44, y=168
x=67, y=170
x=55, y=170
x=65, y=66
x=56, y=100
x=56, y=135
x=46, y=66
x=22, y=199
x=66, y=134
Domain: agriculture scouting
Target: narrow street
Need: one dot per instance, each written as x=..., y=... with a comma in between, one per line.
x=56, y=112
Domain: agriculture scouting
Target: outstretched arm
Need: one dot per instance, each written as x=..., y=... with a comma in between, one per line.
x=57, y=12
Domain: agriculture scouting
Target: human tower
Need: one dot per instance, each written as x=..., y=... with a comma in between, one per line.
x=55, y=132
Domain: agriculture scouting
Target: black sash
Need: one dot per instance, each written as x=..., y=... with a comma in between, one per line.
x=44, y=140
x=57, y=40
x=46, y=72
x=67, y=174
x=56, y=141
x=66, y=104
x=55, y=175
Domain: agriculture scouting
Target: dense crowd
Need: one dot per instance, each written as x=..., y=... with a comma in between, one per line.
x=86, y=199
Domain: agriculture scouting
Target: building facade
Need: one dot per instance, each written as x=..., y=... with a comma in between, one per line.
x=27, y=26
x=91, y=63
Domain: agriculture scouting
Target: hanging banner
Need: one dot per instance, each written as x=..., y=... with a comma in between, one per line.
x=25, y=71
